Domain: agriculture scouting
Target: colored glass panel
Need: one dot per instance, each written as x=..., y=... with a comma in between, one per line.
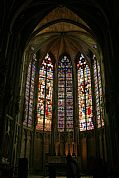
x=84, y=95
x=98, y=94
x=29, y=93
x=65, y=95
x=45, y=88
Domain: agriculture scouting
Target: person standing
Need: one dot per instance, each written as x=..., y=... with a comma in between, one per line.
x=72, y=168
x=52, y=172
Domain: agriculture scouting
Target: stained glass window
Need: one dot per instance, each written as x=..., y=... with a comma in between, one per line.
x=29, y=93
x=98, y=94
x=65, y=95
x=84, y=95
x=45, y=89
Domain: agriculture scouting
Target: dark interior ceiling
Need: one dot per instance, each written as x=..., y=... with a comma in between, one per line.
x=57, y=26
x=28, y=22
x=62, y=31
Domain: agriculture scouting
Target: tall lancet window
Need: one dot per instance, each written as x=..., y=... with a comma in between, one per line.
x=84, y=95
x=98, y=94
x=45, y=89
x=29, y=92
x=65, y=95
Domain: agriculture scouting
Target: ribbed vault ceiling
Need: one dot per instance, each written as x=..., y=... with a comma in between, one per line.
x=62, y=31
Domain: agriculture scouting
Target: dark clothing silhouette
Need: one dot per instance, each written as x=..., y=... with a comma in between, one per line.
x=72, y=168
x=100, y=169
x=52, y=172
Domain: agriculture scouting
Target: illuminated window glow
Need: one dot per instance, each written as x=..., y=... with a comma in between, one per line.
x=29, y=94
x=84, y=95
x=65, y=95
x=45, y=89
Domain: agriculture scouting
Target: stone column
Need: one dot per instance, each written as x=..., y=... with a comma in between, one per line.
x=54, y=111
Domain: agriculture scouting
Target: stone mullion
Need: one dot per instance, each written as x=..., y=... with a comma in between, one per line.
x=76, y=113
x=103, y=131
x=102, y=143
x=17, y=146
x=25, y=143
x=31, y=164
x=54, y=110
x=34, y=112
x=96, y=136
x=105, y=152
x=22, y=104
x=104, y=140
x=22, y=99
x=30, y=152
x=86, y=132
x=28, y=148
x=23, y=87
x=43, y=132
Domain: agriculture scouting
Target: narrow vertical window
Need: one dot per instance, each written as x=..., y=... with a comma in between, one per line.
x=84, y=95
x=65, y=95
x=98, y=94
x=45, y=89
x=29, y=93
